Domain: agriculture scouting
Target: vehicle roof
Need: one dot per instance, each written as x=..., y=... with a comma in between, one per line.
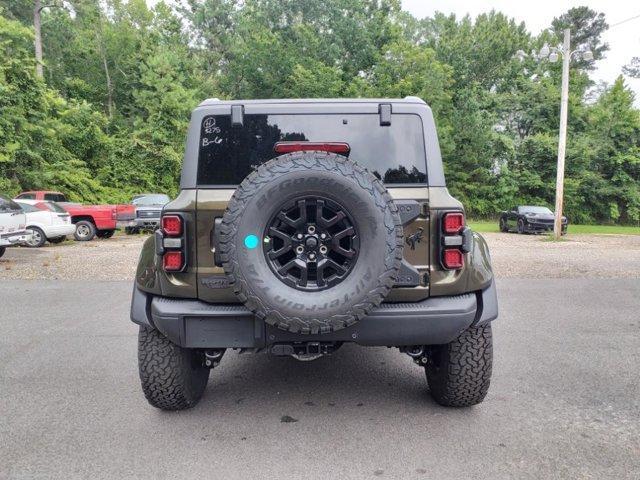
x=28, y=201
x=41, y=191
x=217, y=101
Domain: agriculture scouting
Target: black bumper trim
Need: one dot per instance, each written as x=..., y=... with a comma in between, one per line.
x=197, y=324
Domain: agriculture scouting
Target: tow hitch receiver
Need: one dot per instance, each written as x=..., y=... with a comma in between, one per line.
x=303, y=348
x=418, y=353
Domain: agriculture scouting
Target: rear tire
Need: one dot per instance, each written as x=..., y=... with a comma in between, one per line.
x=2, y=250
x=521, y=226
x=459, y=373
x=172, y=377
x=503, y=225
x=130, y=230
x=38, y=238
x=85, y=231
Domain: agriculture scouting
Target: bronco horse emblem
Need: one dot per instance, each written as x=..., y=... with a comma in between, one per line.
x=414, y=238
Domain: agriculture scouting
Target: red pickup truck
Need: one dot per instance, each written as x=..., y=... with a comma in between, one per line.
x=90, y=220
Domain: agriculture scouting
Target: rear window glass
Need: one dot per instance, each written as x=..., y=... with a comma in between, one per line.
x=28, y=208
x=53, y=206
x=55, y=197
x=394, y=153
x=7, y=205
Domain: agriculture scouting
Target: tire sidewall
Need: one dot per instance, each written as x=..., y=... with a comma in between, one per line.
x=92, y=231
x=343, y=303
x=41, y=242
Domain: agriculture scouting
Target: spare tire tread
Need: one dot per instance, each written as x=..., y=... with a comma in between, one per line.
x=312, y=161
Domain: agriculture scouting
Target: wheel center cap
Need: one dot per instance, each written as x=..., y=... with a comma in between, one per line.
x=311, y=242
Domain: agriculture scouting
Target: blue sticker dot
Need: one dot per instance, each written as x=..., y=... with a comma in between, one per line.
x=251, y=241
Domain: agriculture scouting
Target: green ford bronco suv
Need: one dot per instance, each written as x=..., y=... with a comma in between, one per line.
x=305, y=224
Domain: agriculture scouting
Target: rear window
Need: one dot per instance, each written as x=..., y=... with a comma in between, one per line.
x=395, y=153
x=28, y=208
x=55, y=197
x=27, y=196
x=54, y=207
x=7, y=205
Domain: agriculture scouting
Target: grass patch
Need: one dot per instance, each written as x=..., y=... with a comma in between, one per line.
x=485, y=226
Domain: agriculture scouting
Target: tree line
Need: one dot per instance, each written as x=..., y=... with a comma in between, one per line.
x=106, y=117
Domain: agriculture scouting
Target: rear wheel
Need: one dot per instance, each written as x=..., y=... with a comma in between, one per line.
x=2, y=250
x=85, y=231
x=172, y=377
x=38, y=238
x=459, y=373
x=520, y=226
x=503, y=225
x=131, y=230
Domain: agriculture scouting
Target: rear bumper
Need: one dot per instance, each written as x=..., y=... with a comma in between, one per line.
x=59, y=230
x=197, y=324
x=150, y=223
x=15, y=238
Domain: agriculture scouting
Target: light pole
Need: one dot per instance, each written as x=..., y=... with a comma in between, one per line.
x=553, y=54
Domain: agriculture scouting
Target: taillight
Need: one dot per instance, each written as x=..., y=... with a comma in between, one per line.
x=452, y=259
x=172, y=261
x=452, y=222
x=172, y=225
x=452, y=240
x=333, y=147
x=170, y=243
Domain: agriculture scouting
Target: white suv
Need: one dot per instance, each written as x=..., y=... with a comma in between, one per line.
x=12, y=224
x=46, y=221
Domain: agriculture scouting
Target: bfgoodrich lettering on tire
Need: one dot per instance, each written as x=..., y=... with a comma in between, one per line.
x=311, y=242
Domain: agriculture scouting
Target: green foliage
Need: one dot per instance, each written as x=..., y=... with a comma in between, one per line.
x=120, y=80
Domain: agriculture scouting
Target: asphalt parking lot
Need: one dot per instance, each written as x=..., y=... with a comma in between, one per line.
x=564, y=401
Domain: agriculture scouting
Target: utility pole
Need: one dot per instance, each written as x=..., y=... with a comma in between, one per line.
x=562, y=137
x=37, y=10
x=553, y=54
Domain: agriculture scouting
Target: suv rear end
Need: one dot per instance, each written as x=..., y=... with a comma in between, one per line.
x=12, y=225
x=195, y=289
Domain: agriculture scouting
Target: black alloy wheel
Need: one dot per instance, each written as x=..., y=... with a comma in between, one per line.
x=311, y=243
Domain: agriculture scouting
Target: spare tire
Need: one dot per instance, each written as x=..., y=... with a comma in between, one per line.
x=311, y=242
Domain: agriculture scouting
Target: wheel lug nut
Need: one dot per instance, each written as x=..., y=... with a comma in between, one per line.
x=311, y=229
x=299, y=236
x=312, y=256
x=323, y=249
x=323, y=236
x=299, y=249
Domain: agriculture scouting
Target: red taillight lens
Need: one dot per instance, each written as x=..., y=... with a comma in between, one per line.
x=172, y=225
x=172, y=261
x=452, y=259
x=452, y=222
x=334, y=147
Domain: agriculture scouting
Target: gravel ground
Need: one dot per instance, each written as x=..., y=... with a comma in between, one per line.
x=513, y=256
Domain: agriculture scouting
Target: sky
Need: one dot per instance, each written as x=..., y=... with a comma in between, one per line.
x=623, y=40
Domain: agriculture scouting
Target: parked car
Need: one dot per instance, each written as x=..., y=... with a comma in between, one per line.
x=47, y=221
x=529, y=219
x=90, y=220
x=148, y=209
x=13, y=224
x=323, y=229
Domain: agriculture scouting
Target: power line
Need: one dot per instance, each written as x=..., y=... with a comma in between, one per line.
x=624, y=21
